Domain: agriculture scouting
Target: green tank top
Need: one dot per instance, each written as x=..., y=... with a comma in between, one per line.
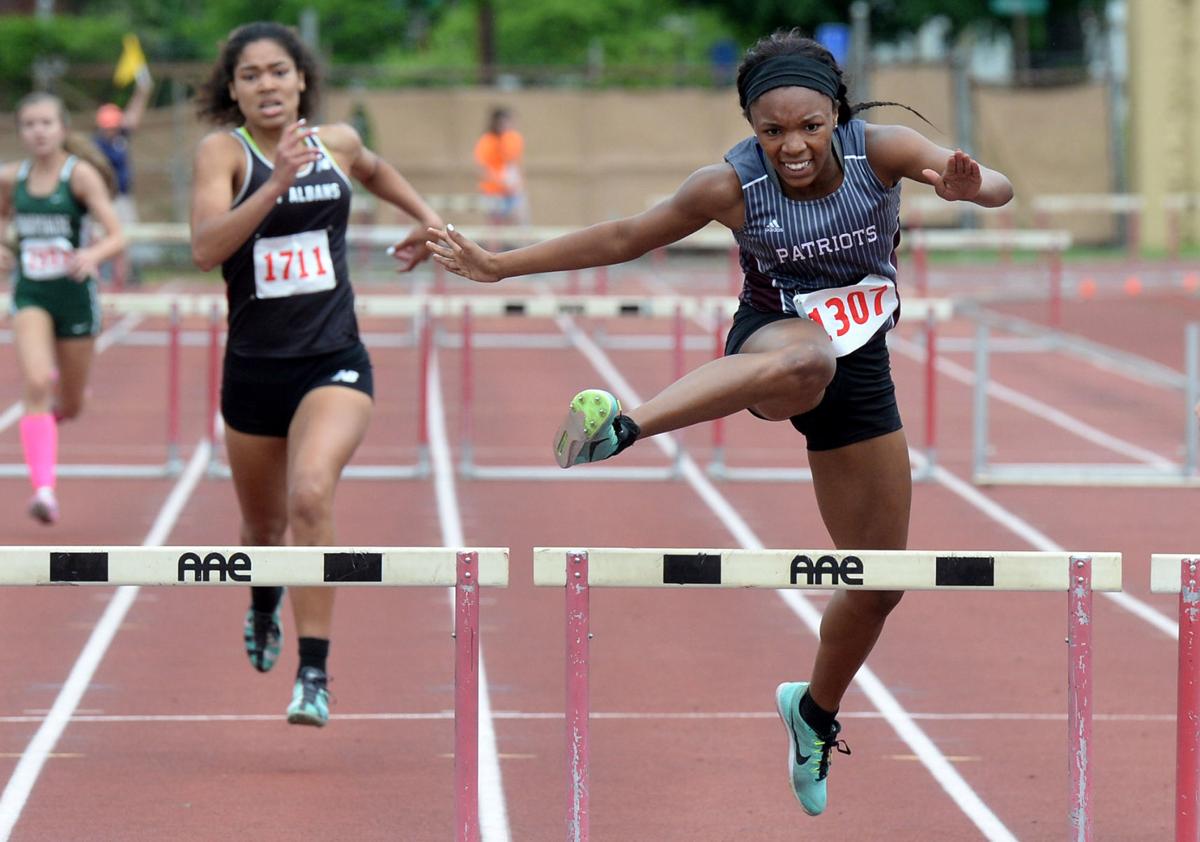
x=49, y=228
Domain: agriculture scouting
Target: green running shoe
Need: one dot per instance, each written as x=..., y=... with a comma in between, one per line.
x=808, y=752
x=594, y=429
x=310, y=698
x=263, y=637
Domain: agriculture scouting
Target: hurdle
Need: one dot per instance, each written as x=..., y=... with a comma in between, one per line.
x=1153, y=471
x=465, y=570
x=1049, y=243
x=1181, y=574
x=577, y=570
x=931, y=312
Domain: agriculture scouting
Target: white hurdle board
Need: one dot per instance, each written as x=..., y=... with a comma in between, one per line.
x=1165, y=570
x=264, y=566
x=824, y=569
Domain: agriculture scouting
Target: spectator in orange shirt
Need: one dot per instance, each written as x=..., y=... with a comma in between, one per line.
x=498, y=153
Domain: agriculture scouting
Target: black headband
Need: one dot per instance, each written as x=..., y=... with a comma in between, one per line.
x=785, y=71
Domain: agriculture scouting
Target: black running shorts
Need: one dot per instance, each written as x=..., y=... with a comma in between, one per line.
x=860, y=401
x=259, y=395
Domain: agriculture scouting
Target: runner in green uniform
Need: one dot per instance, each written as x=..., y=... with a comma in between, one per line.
x=56, y=313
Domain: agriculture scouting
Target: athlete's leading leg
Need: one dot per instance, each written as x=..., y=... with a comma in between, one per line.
x=781, y=370
x=325, y=431
x=33, y=335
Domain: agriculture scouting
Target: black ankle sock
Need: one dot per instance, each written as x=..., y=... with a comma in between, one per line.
x=313, y=652
x=265, y=600
x=627, y=432
x=819, y=719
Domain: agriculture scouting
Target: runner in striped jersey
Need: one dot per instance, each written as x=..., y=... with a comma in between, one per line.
x=813, y=201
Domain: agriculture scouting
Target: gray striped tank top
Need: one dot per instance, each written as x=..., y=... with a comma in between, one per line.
x=789, y=246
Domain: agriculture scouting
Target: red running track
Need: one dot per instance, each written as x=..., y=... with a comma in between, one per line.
x=177, y=738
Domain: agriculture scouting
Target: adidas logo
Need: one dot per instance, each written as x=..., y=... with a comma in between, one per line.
x=346, y=375
x=773, y=225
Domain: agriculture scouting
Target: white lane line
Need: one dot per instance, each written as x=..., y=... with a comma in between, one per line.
x=107, y=339
x=25, y=775
x=904, y=725
x=493, y=814
x=713, y=716
x=1037, y=408
x=1039, y=541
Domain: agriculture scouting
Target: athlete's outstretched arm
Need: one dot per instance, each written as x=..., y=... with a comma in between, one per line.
x=386, y=182
x=711, y=193
x=218, y=230
x=897, y=152
x=89, y=188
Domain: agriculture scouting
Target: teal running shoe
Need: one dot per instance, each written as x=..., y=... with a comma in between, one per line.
x=594, y=429
x=808, y=752
x=310, y=698
x=263, y=637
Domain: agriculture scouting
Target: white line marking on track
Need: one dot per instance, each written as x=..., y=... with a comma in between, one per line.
x=1037, y=408
x=25, y=775
x=493, y=814
x=1039, y=541
x=931, y=757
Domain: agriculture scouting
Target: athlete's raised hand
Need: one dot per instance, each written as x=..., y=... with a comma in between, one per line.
x=463, y=256
x=960, y=180
x=293, y=154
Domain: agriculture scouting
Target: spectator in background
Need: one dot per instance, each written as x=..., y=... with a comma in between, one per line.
x=498, y=153
x=114, y=129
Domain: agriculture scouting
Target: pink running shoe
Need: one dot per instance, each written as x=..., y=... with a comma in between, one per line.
x=43, y=506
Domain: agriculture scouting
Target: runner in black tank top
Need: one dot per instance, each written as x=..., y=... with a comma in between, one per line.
x=270, y=206
x=56, y=313
x=812, y=199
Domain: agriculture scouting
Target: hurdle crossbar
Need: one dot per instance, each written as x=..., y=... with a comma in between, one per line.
x=465, y=570
x=1181, y=574
x=1078, y=574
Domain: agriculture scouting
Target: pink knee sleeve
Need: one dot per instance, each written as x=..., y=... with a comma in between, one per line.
x=39, y=439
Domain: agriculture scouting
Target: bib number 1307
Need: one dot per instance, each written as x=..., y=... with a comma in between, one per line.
x=294, y=264
x=851, y=315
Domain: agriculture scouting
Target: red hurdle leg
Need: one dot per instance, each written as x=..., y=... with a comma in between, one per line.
x=1079, y=697
x=466, y=699
x=577, y=696
x=174, y=460
x=1187, y=727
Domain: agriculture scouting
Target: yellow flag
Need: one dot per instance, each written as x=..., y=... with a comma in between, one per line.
x=131, y=62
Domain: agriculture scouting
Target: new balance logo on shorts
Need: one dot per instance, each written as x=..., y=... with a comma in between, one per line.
x=346, y=375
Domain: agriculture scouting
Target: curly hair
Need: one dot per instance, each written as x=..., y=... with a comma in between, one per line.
x=213, y=102
x=792, y=42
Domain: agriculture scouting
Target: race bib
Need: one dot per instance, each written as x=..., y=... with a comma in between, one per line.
x=294, y=264
x=851, y=315
x=45, y=258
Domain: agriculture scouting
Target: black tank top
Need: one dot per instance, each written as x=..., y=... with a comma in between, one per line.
x=288, y=285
